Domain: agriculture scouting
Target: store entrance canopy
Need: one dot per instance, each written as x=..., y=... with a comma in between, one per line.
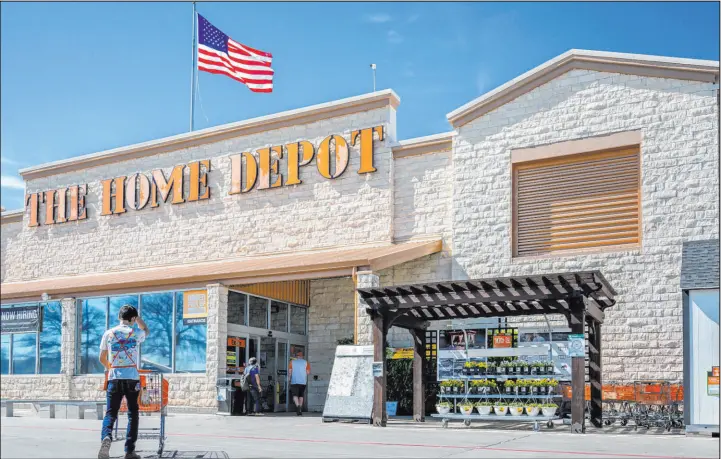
x=315, y=264
x=581, y=297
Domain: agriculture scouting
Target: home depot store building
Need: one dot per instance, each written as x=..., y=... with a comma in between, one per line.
x=250, y=238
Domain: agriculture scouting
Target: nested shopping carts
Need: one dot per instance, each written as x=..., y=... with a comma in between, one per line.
x=639, y=403
x=153, y=400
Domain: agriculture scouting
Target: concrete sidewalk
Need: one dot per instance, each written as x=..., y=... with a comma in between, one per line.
x=290, y=436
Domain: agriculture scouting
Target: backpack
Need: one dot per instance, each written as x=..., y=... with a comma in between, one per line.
x=244, y=383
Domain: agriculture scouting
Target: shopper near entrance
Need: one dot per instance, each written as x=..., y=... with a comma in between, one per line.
x=252, y=375
x=298, y=371
x=119, y=355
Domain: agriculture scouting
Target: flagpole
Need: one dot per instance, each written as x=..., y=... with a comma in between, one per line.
x=192, y=73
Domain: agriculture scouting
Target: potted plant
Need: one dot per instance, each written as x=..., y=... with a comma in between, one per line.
x=481, y=368
x=491, y=368
x=443, y=407
x=467, y=368
x=550, y=369
x=549, y=409
x=474, y=387
x=522, y=385
x=532, y=409
x=509, y=386
x=456, y=386
x=516, y=409
x=466, y=408
x=551, y=385
x=506, y=367
x=500, y=408
x=491, y=385
x=446, y=387
x=517, y=367
x=535, y=385
x=484, y=408
x=525, y=368
x=538, y=368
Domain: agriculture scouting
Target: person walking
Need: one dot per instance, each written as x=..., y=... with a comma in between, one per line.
x=119, y=355
x=298, y=371
x=252, y=374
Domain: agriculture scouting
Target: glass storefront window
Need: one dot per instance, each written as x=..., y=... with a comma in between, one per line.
x=258, y=312
x=236, y=308
x=297, y=320
x=24, y=353
x=156, y=351
x=5, y=355
x=117, y=302
x=190, y=342
x=278, y=316
x=93, y=321
x=51, y=338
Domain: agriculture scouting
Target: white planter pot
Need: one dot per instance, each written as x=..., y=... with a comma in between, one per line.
x=484, y=409
x=516, y=410
x=501, y=410
x=443, y=409
x=467, y=411
x=549, y=411
x=533, y=411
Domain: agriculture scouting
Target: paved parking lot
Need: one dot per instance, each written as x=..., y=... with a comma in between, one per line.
x=289, y=436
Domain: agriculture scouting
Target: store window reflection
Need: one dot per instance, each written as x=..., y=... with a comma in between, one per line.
x=93, y=321
x=278, y=316
x=258, y=311
x=51, y=338
x=190, y=342
x=5, y=355
x=24, y=354
x=157, y=312
x=297, y=320
x=236, y=308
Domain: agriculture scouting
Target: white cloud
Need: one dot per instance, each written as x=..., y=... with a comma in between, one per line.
x=10, y=181
x=413, y=18
x=394, y=37
x=377, y=18
x=482, y=82
x=8, y=161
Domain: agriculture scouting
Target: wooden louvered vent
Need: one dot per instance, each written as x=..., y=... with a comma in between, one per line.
x=577, y=202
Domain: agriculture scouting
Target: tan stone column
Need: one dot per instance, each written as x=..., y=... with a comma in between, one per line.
x=364, y=324
x=68, y=346
x=215, y=364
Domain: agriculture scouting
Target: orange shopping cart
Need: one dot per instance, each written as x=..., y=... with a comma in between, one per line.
x=153, y=399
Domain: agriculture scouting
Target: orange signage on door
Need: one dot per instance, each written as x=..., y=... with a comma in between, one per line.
x=715, y=371
x=502, y=340
x=233, y=341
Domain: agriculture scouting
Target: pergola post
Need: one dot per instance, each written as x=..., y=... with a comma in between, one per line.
x=380, y=330
x=576, y=321
x=419, y=367
x=595, y=372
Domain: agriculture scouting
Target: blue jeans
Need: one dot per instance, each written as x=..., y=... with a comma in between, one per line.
x=117, y=389
x=254, y=400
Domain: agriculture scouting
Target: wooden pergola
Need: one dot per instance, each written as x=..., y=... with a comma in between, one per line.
x=581, y=297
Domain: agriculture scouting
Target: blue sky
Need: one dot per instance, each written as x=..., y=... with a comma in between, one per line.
x=78, y=78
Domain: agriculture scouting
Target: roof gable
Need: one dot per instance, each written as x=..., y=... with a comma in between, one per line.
x=601, y=61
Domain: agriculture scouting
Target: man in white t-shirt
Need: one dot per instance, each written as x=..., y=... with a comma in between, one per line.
x=298, y=371
x=119, y=355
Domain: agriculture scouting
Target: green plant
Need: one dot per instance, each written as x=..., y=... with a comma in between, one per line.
x=533, y=405
x=399, y=383
x=515, y=404
x=444, y=404
x=549, y=405
x=447, y=383
x=481, y=365
x=509, y=383
x=466, y=405
x=484, y=404
x=345, y=341
x=468, y=365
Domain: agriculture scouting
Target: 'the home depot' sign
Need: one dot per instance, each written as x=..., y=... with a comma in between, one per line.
x=264, y=169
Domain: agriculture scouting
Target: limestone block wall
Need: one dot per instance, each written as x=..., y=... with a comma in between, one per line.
x=9, y=237
x=316, y=213
x=643, y=336
x=330, y=318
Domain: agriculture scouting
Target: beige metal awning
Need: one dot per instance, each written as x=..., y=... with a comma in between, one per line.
x=307, y=265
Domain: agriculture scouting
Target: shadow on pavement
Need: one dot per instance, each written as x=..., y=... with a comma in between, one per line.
x=181, y=455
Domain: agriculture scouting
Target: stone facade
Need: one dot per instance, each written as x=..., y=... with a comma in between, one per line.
x=643, y=335
x=461, y=196
x=318, y=213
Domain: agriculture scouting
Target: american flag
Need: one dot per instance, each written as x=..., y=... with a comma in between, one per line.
x=218, y=53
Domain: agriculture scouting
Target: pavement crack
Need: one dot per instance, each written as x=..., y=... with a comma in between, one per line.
x=504, y=441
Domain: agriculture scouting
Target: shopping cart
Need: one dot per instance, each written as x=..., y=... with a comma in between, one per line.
x=153, y=399
x=657, y=405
